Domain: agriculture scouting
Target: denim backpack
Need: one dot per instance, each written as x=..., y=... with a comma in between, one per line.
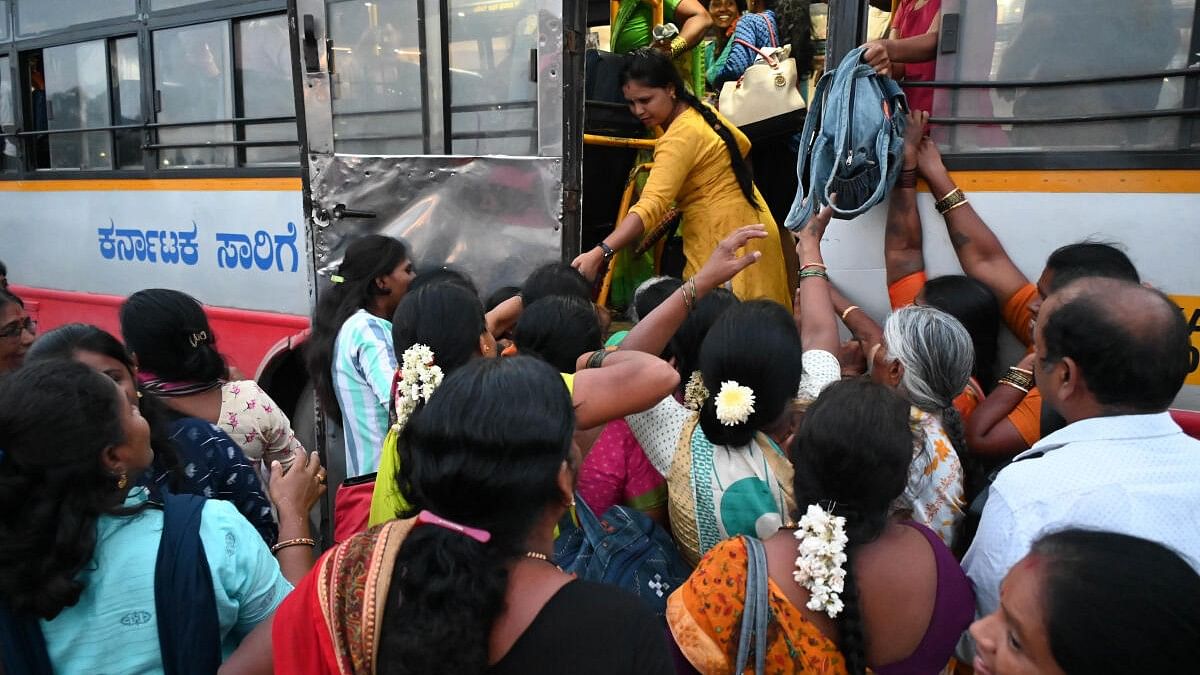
x=852, y=142
x=623, y=548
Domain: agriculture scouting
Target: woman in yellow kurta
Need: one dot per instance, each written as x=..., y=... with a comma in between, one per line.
x=699, y=164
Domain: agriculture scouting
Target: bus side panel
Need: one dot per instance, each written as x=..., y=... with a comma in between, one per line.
x=227, y=245
x=245, y=338
x=1159, y=230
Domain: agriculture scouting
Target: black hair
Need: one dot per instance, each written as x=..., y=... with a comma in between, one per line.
x=500, y=296
x=685, y=343
x=57, y=417
x=795, y=28
x=652, y=68
x=3, y=269
x=443, y=275
x=976, y=308
x=445, y=317
x=756, y=345
x=1128, y=367
x=7, y=298
x=170, y=335
x=485, y=451
x=555, y=279
x=651, y=294
x=558, y=329
x=67, y=340
x=741, y=5
x=1103, y=591
x=1089, y=259
x=367, y=259
x=851, y=456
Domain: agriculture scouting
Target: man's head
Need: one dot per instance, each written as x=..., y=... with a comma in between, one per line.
x=1110, y=347
x=1083, y=259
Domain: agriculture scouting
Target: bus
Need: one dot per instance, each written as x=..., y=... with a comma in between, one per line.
x=152, y=143
x=233, y=148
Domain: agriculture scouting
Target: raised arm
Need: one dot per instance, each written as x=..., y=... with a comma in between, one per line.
x=902, y=253
x=652, y=333
x=504, y=316
x=989, y=431
x=624, y=383
x=693, y=21
x=294, y=494
x=818, y=322
x=888, y=56
x=979, y=251
x=857, y=321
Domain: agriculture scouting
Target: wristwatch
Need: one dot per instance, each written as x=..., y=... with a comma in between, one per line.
x=607, y=251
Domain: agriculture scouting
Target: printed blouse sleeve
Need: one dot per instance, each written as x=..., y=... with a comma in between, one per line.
x=658, y=430
x=247, y=582
x=236, y=482
x=275, y=427
x=820, y=370
x=674, y=156
x=377, y=360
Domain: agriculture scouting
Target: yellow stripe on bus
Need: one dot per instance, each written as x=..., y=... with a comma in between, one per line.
x=1190, y=304
x=154, y=184
x=1128, y=181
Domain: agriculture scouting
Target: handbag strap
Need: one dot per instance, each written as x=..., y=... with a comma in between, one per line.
x=754, y=611
x=770, y=29
x=771, y=60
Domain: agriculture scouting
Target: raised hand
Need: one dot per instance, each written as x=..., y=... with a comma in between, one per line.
x=929, y=159
x=876, y=55
x=589, y=263
x=913, y=133
x=297, y=491
x=725, y=263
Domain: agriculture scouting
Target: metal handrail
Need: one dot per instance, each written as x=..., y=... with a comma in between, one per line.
x=245, y=121
x=1069, y=119
x=1028, y=84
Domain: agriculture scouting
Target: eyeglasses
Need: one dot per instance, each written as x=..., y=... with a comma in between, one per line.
x=14, y=329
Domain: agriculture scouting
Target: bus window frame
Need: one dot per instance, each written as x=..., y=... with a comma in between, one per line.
x=840, y=42
x=143, y=25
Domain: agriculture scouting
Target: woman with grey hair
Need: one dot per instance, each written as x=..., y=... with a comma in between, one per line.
x=926, y=355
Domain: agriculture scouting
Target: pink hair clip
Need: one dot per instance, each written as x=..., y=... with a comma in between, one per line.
x=429, y=518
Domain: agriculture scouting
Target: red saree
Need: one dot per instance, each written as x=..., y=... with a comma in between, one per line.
x=329, y=625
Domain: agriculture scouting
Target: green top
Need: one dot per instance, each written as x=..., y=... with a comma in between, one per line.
x=631, y=29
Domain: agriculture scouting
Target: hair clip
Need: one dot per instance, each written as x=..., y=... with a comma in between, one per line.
x=430, y=518
x=337, y=278
x=197, y=339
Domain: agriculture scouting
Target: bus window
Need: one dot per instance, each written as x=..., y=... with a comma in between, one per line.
x=127, y=100
x=8, y=144
x=159, y=5
x=376, y=77
x=1052, y=40
x=77, y=98
x=493, y=98
x=42, y=16
x=192, y=84
x=265, y=80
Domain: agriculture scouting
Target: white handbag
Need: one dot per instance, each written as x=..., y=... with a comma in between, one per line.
x=767, y=89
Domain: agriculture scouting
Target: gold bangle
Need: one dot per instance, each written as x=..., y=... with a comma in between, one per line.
x=952, y=200
x=298, y=541
x=678, y=46
x=1021, y=370
x=1014, y=385
x=849, y=309
x=955, y=205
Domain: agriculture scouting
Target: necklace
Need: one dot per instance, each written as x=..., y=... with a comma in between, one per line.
x=538, y=556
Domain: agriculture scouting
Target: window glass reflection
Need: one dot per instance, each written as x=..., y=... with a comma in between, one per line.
x=192, y=80
x=265, y=76
x=76, y=98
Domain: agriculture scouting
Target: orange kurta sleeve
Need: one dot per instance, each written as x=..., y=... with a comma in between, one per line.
x=1027, y=417
x=904, y=291
x=1017, y=314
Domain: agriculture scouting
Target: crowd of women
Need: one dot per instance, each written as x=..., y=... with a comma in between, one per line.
x=154, y=506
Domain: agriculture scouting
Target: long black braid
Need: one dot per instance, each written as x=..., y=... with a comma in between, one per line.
x=652, y=68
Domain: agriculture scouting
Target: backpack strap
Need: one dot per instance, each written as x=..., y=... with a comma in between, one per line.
x=189, y=633
x=682, y=502
x=755, y=617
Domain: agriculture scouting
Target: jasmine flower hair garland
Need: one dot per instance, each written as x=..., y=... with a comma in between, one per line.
x=821, y=565
x=419, y=377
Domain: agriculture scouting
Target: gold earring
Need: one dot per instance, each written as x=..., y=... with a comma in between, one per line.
x=123, y=481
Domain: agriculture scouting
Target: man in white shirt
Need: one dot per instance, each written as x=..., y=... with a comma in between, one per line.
x=1111, y=356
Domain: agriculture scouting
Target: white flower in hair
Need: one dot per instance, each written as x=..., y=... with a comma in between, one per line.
x=735, y=403
x=820, y=567
x=419, y=377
